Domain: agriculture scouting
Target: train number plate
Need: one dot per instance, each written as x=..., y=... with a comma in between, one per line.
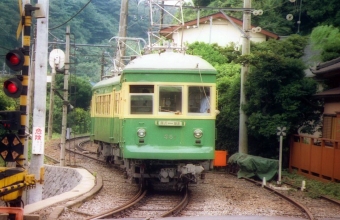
x=169, y=123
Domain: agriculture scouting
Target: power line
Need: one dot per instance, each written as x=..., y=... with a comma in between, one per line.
x=72, y=16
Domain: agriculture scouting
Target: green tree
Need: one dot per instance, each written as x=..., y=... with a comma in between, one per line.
x=79, y=98
x=277, y=91
x=79, y=120
x=210, y=53
x=227, y=123
x=326, y=38
x=278, y=94
x=80, y=92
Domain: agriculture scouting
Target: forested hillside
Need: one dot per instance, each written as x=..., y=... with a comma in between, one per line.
x=91, y=22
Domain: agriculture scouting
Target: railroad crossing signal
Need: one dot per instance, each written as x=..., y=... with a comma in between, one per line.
x=281, y=131
x=11, y=147
x=10, y=120
x=15, y=59
x=13, y=87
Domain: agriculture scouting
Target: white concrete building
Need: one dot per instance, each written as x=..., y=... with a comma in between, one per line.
x=214, y=28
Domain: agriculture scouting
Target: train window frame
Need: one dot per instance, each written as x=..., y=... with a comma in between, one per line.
x=169, y=103
x=116, y=103
x=102, y=103
x=196, y=97
x=143, y=98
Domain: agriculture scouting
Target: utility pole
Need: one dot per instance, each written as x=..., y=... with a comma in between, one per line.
x=102, y=66
x=57, y=60
x=122, y=32
x=65, y=101
x=243, y=134
x=50, y=114
x=39, y=106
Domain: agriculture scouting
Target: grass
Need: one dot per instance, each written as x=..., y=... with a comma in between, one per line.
x=314, y=188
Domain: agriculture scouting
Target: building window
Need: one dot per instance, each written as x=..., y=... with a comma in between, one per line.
x=328, y=128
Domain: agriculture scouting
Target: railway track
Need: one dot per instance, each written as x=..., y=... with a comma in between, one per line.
x=313, y=209
x=318, y=207
x=117, y=210
x=148, y=205
x=219, y=194
x=128, y=208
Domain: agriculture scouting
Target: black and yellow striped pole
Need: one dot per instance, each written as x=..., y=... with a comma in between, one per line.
x=26, y=22
x=26, y=42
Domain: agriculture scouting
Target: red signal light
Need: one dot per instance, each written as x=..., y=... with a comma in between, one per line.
x=15, y=59
x=13, y=87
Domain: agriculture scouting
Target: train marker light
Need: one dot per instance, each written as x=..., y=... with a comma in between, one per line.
x=15, y=59
x=13, y=87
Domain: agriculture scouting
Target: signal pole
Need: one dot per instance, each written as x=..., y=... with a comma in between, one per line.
x=66, y=103
x=243, y=133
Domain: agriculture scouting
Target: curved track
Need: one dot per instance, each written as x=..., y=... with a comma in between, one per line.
x=174, y=204
x=305, y=208
x=135, y=199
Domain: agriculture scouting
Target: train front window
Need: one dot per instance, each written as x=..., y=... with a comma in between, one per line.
x=170, y=99
x=199, y=99
x=141, y=99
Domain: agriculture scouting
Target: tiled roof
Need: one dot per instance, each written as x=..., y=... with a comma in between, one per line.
x=329, y=93
x=327, y=69
x=218, y=15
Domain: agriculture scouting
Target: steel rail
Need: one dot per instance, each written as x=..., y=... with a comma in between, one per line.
x=135, y=199
x=334, y=201
x=179, y=207
x=297, y=204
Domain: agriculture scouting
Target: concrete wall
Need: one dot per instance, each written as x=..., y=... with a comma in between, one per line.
x=221, y=32
x=59, y=180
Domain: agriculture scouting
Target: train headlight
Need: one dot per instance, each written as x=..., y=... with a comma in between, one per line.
x=198, y=133
x=141, y=132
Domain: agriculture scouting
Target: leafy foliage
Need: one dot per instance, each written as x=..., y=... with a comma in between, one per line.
x=80, y=98
x=278, y=93
x=228, y=85
x=327, y=39
x=208, y=52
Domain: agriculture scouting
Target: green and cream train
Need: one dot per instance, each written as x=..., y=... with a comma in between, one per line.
x=157, y=119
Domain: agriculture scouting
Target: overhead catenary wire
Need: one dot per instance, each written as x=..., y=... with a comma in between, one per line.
x=72, y=16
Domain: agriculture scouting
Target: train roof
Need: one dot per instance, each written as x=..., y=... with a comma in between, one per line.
x=110, y=81
x=169, y=61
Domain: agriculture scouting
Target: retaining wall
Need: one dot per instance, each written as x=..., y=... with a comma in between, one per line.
x=59, y=180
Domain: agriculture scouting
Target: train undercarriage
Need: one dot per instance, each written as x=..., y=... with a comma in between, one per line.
x=161, y=174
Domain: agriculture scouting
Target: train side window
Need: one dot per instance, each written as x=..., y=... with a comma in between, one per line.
x=141, y=104
x=116, y=103
x=141, y=88
x=170, y=99
x=103, y=104
x=199, y=99
x=141, y=99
